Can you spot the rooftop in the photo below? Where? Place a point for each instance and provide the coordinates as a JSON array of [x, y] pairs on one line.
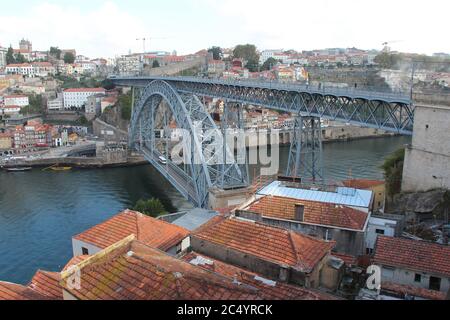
[[406, 290], [269, 290], [194, 218], [343, 196], [130, 270], [273, 244], [85, 90], [362, 183], [150, 231], [317, 213], [413, 254]]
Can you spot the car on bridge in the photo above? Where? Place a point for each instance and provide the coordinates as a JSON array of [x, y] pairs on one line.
[[162, 160]]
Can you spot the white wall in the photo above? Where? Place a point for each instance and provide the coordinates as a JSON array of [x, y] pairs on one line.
[[406, 277], [388, 226], [77, 246]]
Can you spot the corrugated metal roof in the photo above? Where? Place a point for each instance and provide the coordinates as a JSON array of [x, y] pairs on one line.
[[343, 196]]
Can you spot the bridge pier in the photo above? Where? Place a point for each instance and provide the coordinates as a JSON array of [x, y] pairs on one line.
[[305, 155]]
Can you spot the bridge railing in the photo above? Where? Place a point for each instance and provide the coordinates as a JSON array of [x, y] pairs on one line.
[[366, 92]]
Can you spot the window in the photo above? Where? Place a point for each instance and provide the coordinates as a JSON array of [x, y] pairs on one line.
[[379, 231], [387, 272], [369, 251], [85, 251], [328, 236], [417, 278], [435, 283], [299, 212]]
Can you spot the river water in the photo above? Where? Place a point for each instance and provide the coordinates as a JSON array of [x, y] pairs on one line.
[[41, 211]]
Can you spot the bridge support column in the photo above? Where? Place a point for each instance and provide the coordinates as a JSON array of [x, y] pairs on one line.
[[305, 156]]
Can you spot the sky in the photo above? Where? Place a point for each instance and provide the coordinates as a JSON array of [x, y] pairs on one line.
[[106, 28]]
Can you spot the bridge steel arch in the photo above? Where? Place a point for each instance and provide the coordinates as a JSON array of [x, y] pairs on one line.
[[205, 167]]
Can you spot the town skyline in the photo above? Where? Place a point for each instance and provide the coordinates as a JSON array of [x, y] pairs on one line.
[[169, 29]]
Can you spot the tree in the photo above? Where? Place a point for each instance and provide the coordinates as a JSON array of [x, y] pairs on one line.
[[393, 172], [216, 52], [36, 105], [155, 64], [387, 60], [69, 57], [55, 52], [152, 207], [269, 64], [10, 58], [20, 58], [125, 102], [249, 54]]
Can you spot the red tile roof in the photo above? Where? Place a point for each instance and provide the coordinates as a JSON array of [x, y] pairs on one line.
[[413, 255], [268, 290], [269, 243], [150, 231], [403, 290], [347, 258], [74, 261], [47, 284], [12, 291], [362, 183], [318, 213], [85, 90], [129, 270]]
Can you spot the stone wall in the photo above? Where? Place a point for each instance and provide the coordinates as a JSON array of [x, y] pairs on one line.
[[427, 160]]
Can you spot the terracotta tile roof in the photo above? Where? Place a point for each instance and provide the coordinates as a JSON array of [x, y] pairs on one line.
[[47, 284], [150, 231], [74, 261], [320, 213], [402, 290], [130, 270], [12, 291], [85, 90], [347, 258], [362, 183], [269, 243], [413, 254], [268, 290]]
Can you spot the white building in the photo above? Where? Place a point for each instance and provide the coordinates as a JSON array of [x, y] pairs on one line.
[[16, 100], [415, 263], [55, 104], [266, 54], [388, 226], [24, 69], [77, 98], [129, 64], [9, 110]]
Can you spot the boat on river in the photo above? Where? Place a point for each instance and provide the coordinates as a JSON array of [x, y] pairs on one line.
[[17, 169]]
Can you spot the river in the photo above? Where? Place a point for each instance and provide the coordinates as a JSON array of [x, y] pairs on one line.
[[41, 211]]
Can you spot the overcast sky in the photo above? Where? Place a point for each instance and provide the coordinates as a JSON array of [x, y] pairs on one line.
[[108, 28]]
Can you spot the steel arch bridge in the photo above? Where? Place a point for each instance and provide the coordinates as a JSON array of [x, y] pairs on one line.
[[392, 112], [208, 164]]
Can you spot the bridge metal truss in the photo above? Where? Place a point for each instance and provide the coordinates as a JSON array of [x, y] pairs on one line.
[[206, 163], [305, 155], [386, 111]]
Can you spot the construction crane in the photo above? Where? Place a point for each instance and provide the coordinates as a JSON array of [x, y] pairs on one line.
[[145, 39]]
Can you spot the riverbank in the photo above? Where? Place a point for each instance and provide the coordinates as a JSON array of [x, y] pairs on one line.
[[78, 163]]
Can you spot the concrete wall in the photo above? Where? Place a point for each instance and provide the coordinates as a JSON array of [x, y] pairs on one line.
[[404, 276], [175, 68], [429, 154], [112, 133]]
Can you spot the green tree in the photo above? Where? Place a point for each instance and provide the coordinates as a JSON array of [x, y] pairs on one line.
[[125, 103], [216, 52], [69, 57], [393, 172], [20, 58], [55, 52], [388, 60], [269, 64], [152, 207], [155, 64], [248, 53], [36, 105], [10, 58]]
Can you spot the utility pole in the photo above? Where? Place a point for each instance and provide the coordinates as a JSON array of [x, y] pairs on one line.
[[143, 43]]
